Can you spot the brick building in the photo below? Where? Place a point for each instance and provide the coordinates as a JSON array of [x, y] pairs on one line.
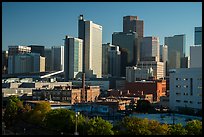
[[157, 88]]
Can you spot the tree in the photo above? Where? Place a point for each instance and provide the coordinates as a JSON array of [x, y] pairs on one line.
[[144, 106], [132, 126], [60, 120], [13, 109], [177, 129], [37, 115], [158, 129], [98, 126], [194, 127]]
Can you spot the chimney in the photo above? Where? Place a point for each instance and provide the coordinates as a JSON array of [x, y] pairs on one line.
[[83, 88]]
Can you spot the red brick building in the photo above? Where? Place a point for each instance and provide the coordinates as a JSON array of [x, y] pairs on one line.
[[157, 88]]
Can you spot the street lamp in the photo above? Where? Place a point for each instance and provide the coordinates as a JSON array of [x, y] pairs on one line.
[[76, 133]]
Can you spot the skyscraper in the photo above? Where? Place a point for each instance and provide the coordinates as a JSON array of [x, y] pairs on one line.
[[57, 58], [48, 59], [198, 36], [133, 24], [111, 60], [72, 57], [4, 62], [195, 56], [164, 57], [150, 48], [176, 50], [91, 34], [127, 41]]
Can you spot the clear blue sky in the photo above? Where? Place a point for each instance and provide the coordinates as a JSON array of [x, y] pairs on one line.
[[47, 23]]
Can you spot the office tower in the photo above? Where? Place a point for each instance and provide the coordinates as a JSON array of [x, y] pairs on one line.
[[198, 36], [150, 48], [57, 58], [38, 49], [123, 61], [4, 58], [105, 61], [133, 24], [164, 56], [111, 60], [127, 41], [176, 50], [195, 56], [91, 34], [73, 49], [26, 63], [48, 59], [13, 50], [185, 89]]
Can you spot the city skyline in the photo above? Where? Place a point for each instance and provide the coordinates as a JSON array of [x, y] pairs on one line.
[[55, 20]]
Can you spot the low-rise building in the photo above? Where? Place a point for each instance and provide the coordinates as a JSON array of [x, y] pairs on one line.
[[185, 88]]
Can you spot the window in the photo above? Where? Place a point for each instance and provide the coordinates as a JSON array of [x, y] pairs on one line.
[[185, 86], [199, 102], [185, 79], [185, 93], [185, 101], [178, 93], [191, 102], [199, 86], [178, 78], [178, 100], [178, 86]]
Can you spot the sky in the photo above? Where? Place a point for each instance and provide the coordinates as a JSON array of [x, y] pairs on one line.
[[47, 23]]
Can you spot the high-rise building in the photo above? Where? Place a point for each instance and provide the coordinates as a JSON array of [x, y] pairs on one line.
[[185, 89], [14, 50], [150, 48], [4, 58], [195, 56], [133, 24], [38, 49], [57, 58], [164, 57], [127, 41], [73, 49], [91, 34], [111, 60], [48, 59], [198, 36], [176, 50]]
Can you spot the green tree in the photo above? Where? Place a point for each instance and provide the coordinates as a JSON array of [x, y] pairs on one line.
[[13, 109], [98, 126], [194, 127], [177, 129], [60, 120], [37, 115], [158, 129], [144, 106], [132, 126]]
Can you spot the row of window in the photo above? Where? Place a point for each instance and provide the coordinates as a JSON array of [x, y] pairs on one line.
[[187, 79], [185, 101]]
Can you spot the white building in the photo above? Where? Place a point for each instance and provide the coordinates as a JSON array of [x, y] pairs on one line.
[[195, 56], [73, 49], [134, 73], [158, 68], [185, 88], [91, 34]]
